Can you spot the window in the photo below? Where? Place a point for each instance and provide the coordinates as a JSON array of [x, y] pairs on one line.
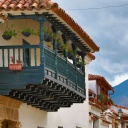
[[78, 127], [60, 127], [96, 123]]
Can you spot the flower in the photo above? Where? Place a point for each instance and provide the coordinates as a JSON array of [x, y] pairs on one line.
[[13, 60]]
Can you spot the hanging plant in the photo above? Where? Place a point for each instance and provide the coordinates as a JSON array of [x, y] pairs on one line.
[[60, 45], [70, 55], [9, 32], [48, 35], [27, 31]]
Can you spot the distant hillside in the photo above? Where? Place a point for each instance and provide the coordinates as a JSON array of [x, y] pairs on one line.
[[120, 97]]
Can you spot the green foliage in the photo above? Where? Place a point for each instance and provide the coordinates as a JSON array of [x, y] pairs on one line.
[[101, 98], [29, 30], [80, 62], [10, 31], [110, 101]]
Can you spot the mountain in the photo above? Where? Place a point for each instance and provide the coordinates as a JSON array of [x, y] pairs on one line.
[[120, 96]]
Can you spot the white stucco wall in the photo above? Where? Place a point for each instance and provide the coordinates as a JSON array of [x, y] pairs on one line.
[[31, 117], [104, 125], [71, 117]]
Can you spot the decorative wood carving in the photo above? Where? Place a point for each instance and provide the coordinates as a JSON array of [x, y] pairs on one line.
[[9, 109]]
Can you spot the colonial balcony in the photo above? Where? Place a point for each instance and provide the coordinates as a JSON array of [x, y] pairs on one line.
[[101, 103], [47, 80]]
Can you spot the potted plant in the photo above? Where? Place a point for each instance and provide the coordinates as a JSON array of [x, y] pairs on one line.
[[48, 35], [101, 98], [9, 32], [15, 66], [27, 31], [70, 55], [110, 101], [79, 64]]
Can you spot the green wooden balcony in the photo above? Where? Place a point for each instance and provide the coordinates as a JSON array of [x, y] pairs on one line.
[[48, 84]]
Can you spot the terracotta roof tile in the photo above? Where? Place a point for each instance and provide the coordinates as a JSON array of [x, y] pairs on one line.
[[102, 80], [123, 107], [22, 5]]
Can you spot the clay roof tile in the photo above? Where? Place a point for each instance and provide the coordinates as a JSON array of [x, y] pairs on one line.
[[23, 5]]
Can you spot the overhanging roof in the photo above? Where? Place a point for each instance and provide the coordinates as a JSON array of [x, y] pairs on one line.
[[101, 80], [55, 13]]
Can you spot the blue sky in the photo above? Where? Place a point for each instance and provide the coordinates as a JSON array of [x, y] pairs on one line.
[[108, 27]]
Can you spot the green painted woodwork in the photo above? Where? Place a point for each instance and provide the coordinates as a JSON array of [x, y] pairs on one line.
[[64, 68], [18, 51], [57, 66], [50, 65], [19, 79], [46, 75]]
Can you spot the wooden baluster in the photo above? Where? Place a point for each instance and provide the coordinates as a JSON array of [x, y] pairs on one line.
[[18, 53], [24, 56], [35, 57], [3, 57], [29, 56], [14, 54], [8, 56]]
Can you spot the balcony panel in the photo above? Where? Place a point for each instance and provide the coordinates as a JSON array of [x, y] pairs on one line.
[[61, 65], [49, 59], [60, 70], [46, 84]]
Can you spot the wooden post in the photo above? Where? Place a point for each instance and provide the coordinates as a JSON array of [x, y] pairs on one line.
[[75, 64], [55, 49], [83, 67], [41, 22], [40, 19]]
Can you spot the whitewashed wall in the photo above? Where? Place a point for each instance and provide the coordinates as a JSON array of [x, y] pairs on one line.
[[31, 117], [104, 125]]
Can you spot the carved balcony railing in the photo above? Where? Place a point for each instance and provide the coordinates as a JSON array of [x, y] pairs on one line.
[[26, 53], [62, 70], [51, 74]]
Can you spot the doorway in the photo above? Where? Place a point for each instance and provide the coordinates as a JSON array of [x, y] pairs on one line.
[[26, 54], [9, 124]]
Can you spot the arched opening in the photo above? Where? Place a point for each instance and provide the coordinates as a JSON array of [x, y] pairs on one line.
[[9, 115]]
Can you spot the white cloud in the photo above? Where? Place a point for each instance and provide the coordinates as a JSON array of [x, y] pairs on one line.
[[112, 68], [108, 29], [119, 79]]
